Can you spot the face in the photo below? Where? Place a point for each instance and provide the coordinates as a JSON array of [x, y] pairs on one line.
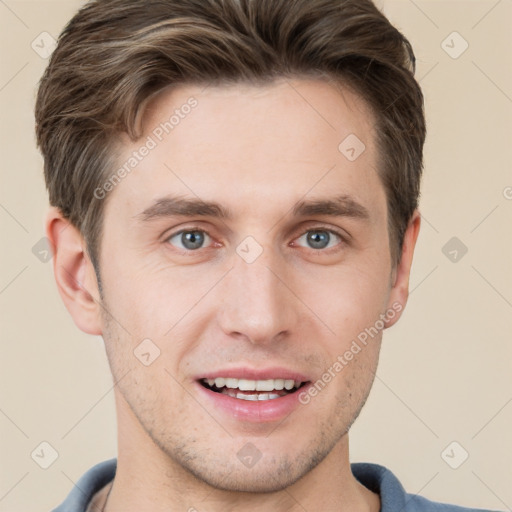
[[246, 244]]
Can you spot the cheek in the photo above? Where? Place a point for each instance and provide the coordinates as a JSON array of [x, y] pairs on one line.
[[165, 305], [149, 299], [347, 300]]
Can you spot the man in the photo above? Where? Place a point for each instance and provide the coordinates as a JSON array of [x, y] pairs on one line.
[[234, 188]]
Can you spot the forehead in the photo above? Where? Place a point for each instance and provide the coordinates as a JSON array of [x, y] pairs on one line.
[[270, 143]]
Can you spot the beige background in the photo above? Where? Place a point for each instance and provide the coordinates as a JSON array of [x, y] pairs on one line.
[[445, 371]]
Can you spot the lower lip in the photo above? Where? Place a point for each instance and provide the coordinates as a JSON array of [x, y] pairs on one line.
[[260, 411]]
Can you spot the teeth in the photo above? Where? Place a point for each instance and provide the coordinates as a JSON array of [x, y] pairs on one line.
[[278, 384], [254, 398], [253, 385], [288, 384], [220, 382]]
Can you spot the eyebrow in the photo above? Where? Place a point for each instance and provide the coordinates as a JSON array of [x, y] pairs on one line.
[[175, 206]]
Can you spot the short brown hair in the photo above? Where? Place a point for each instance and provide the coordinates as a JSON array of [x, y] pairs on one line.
[[114, 55]]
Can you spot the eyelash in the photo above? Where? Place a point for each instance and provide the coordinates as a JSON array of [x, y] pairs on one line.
[[190, 252]]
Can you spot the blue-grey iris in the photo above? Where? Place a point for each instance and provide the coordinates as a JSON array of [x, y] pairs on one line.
[[318, 239]]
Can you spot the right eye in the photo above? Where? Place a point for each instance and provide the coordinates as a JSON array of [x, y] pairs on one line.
[[189, 239]]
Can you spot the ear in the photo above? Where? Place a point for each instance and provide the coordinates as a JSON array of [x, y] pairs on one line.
[[400, 276], [74, 273]]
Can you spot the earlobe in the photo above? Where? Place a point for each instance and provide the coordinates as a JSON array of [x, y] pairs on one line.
[[400, 287], [74, 272]]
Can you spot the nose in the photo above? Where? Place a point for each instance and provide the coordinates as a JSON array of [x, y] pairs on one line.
[[258, 304]]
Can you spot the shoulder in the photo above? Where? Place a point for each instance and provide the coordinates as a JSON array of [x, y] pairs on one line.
[[417, 503], [393, 496], [88, 485]]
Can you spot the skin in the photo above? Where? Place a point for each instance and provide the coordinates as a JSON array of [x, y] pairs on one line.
[[256, 150]]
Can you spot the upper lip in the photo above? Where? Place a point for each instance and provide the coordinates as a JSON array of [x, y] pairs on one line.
[[256, 374]]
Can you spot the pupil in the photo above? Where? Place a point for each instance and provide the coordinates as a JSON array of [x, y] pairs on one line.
[[192, 239], [318, 239]]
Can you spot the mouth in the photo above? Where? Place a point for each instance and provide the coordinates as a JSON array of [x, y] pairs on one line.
[[253, 390], [253, 395]]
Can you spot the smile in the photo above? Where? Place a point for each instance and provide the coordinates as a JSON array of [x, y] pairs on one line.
[[252, 390]]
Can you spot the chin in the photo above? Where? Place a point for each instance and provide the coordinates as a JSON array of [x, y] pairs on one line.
[[250, 480]]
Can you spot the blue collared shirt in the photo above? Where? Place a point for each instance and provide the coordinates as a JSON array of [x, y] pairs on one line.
[[373, 476]]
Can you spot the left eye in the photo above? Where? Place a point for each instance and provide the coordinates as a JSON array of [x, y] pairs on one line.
[[189, 240], [321, 238]]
